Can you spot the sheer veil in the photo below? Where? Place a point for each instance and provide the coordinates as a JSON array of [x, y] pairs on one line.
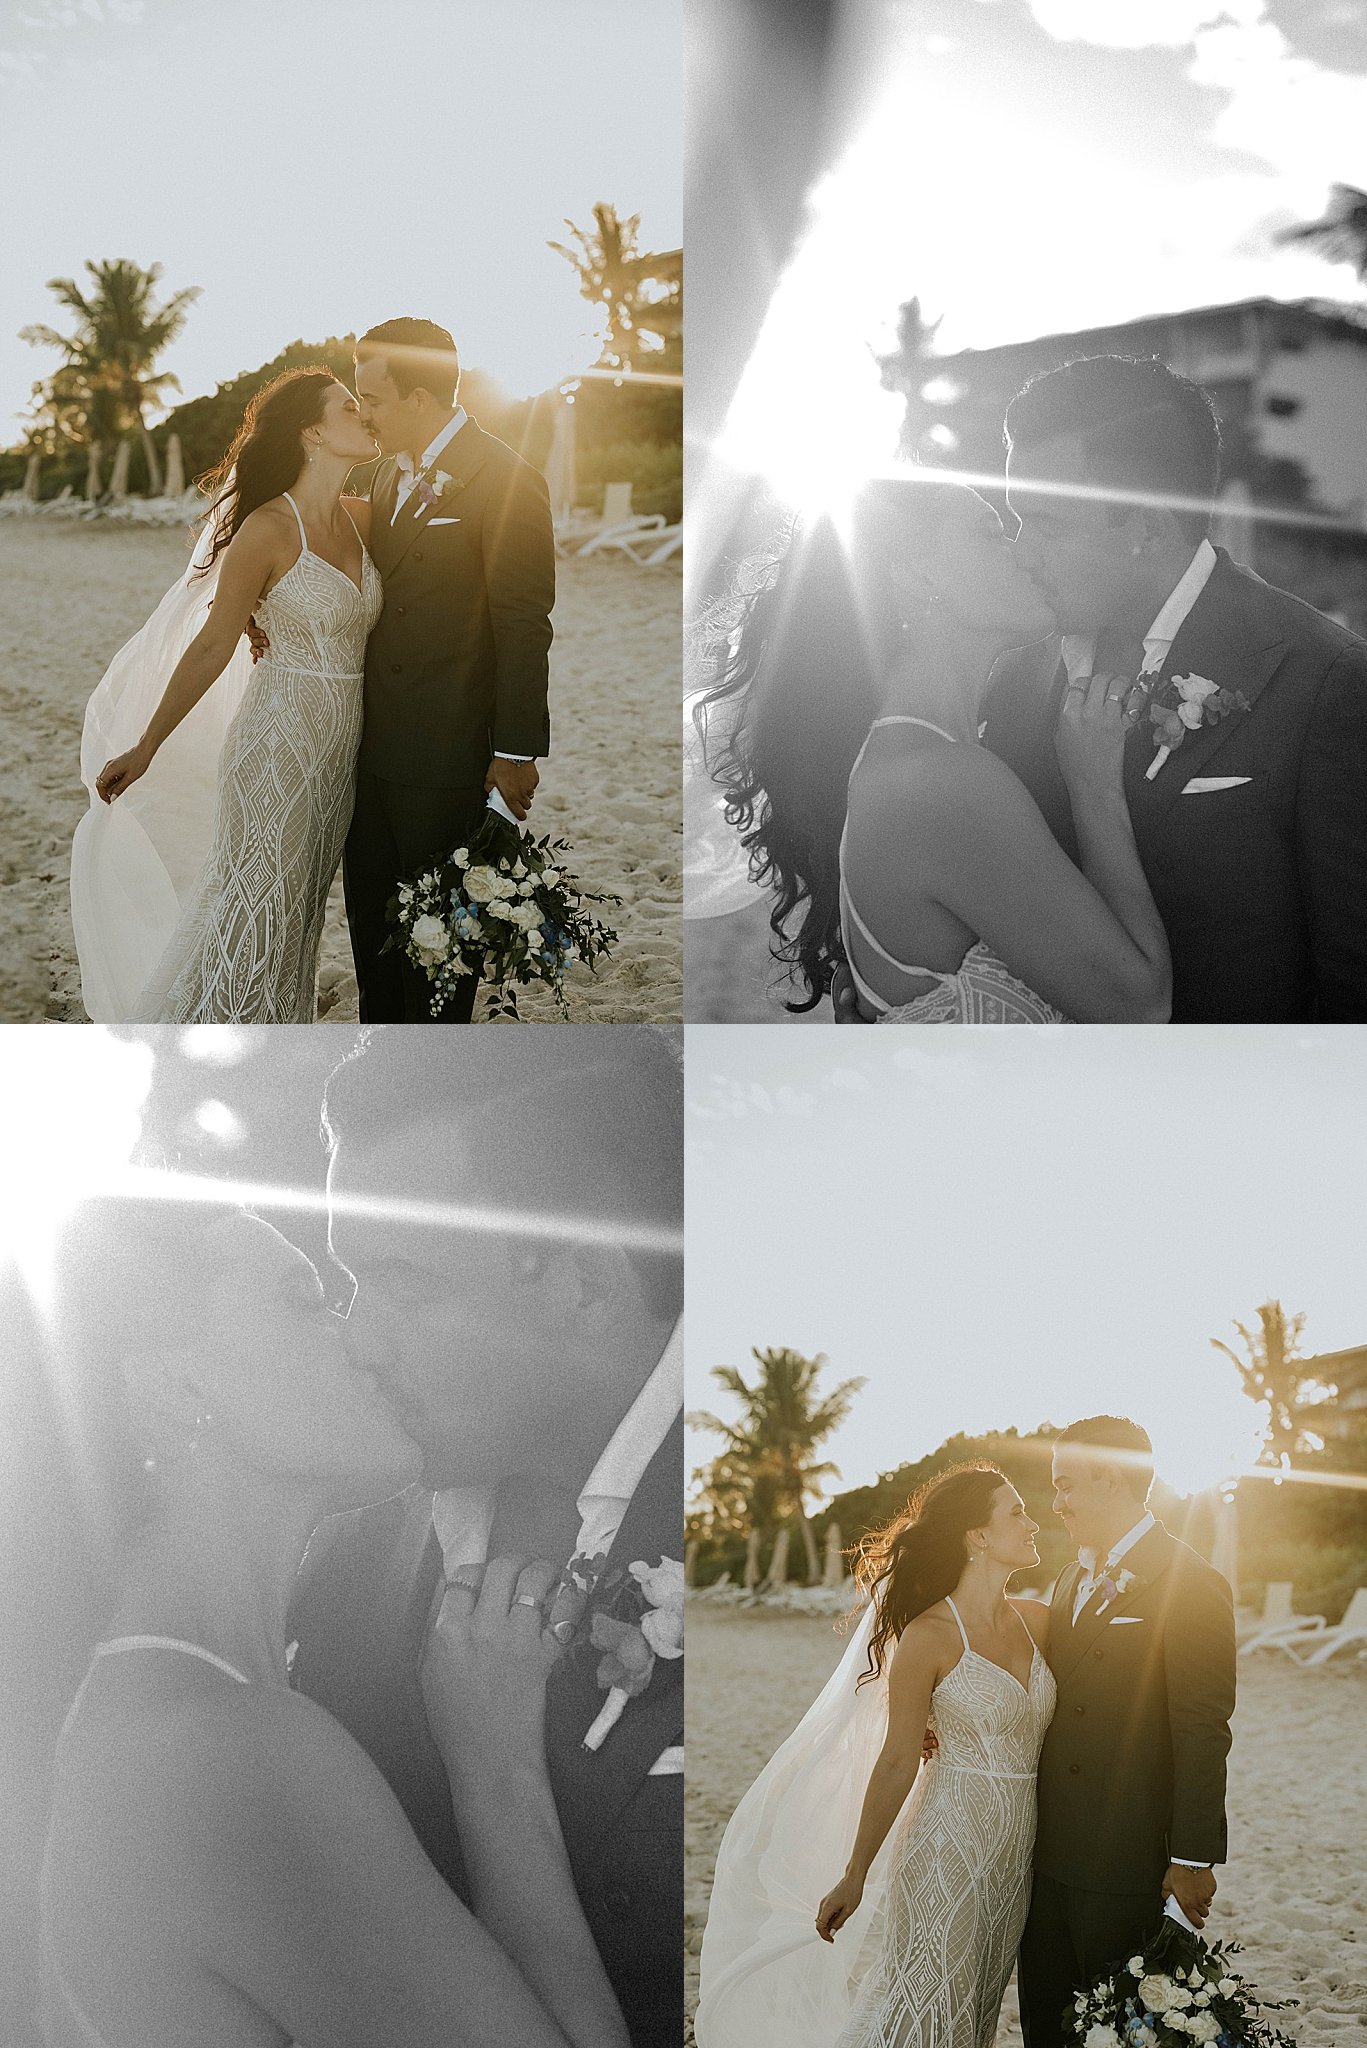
[[768, 1981], [133, 862]]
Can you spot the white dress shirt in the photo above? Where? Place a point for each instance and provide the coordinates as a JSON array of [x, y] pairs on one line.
[[408, 474], [1079, 649]]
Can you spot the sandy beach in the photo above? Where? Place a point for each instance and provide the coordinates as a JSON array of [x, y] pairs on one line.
[[1297, 1803], [70, 595]]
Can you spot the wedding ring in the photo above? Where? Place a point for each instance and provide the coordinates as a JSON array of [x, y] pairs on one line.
[[563, 1631], [526, 1600]]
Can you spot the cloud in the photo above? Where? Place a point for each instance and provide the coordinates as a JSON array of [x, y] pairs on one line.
[[1140, 24], [59, 14], [849, 1078]]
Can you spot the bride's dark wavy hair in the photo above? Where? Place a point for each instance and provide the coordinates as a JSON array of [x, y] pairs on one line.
[[918, 1557], [266, 455], [794, 663]]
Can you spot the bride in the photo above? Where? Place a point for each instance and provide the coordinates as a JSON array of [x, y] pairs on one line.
[[842, 723], [224, 1864], [926, 1916], [220, 798]]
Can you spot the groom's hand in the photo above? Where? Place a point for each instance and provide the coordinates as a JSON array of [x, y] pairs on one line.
[[259, 642], [1194, 1891], [515, 782]]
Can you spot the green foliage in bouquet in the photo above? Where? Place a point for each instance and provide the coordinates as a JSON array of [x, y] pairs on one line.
[[506, 907], [1180, 1990]]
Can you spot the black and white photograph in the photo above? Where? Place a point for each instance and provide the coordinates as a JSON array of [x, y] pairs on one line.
[[1026, 1538], [341, 1644], [341, 495], [1025, 669]]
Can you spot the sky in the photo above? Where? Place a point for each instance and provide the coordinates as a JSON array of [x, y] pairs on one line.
[[1011, 1227], [1030, 167], [317, 166]]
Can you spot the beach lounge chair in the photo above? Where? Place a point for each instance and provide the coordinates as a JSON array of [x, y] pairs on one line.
[[1277, 1618], [1318, 1645], [647, 546], [619, 522]]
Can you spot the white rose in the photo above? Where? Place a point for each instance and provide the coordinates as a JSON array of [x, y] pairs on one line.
[[461, 856], [431, 938], [1156, 1993], [1203, 1998], [1203, 2026], [1226, 1987], [527, 916], [1191, 714], [518, 870], [498, 908], [550, 876], [485, 885], [1098, 2036], [1195, 688], [1135, 1966]]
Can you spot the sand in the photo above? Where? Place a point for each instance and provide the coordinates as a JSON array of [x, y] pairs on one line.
[[1297, 1803], [71, 594]]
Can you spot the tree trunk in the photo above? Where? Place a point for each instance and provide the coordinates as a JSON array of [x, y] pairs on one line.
[[809, 1546], [32, 471], [777, 1574], [94, 459], [834, 1574], [690, 1562], [152, 458], [751, 1560], [118, 482], [175, 468]]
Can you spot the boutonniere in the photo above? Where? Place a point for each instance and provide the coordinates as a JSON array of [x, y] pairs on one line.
[[1183, 704], [431, 490], [633, 1616], [1112, 1584]]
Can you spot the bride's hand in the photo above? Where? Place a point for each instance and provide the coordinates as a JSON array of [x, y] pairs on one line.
[[486, 1663], [121, 773], [837, 1906], [1090, 736]]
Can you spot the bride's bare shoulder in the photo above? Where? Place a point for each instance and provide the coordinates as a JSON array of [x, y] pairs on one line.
[[1035, 1615], [359, 508]]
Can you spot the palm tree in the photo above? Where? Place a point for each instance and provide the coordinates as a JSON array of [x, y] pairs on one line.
[[1273, 1373], [641, 293], [120, 331], [1340, 236], [772, 1448]]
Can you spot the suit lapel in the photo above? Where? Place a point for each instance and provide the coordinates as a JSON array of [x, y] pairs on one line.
[[460, 459], [1229, 636], [592, 1787], [1148, 1560]]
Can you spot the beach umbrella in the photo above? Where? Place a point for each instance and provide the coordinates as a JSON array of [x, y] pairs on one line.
[[35, 463], [174, 487], [561, 476], [118, 482], [834, 1571]]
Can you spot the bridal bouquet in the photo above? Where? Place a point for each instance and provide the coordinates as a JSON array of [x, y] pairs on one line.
[[505, 907], [1180, 1990]]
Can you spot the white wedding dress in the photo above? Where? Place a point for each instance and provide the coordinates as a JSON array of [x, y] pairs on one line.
[[980, 990], [925, 1961], [205, 905]]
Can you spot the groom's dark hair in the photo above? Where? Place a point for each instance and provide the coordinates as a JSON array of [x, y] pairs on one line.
[[417, 354], [1143, 429], [1124, 1448]]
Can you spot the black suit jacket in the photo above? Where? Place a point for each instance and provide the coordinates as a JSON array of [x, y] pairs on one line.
[[360, 1626], [1133, 1767], [1262, 888], [457, 665]]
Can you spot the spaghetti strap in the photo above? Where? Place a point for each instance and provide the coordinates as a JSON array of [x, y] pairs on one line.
[[1026, 1626], [120, 1643], [949, 1603], [905, 718], [303, 537]]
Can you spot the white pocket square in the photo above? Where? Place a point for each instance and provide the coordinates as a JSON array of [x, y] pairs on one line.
[[1201, 784], [443, 522], [1126, 1620]]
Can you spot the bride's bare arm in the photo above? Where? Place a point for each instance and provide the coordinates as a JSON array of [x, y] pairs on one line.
[[1090, 943], [484, 1682], [250, 561], [279, 1862], [914, 1673]]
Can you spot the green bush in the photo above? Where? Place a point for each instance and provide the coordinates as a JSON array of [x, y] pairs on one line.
[[655, 474]]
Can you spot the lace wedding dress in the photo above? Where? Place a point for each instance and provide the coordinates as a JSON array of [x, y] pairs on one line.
[[980, 990], [232, 935], [926, 1959], [959, 1882]]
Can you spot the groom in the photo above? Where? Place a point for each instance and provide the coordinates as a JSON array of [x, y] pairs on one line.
[[540, 1374], [1132, 1773], [456, 667], [1253, 830]]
